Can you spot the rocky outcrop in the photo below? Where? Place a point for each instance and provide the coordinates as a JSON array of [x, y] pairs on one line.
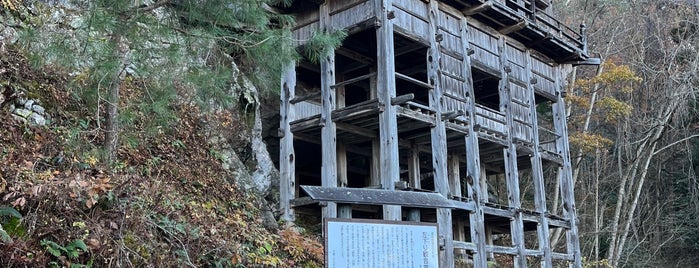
[[29, 111]]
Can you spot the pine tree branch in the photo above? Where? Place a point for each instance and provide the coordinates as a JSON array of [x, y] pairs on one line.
[[154, 6]]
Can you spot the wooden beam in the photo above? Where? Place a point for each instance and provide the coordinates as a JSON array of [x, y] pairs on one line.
[[309, 66], [514, 28], [478, 9], [369, 196], [311, 96], [402, 99], [354, 55], [356, 130], [353, 80], [414, 81], [408, 48]]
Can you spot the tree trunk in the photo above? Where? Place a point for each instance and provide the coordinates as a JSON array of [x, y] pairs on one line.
[[111, 130]]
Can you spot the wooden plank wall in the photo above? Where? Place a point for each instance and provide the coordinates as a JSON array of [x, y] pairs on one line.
[[451, 63], [491, 120], [412, 19], [347, 13], [485, 48], [306, 109], [544, 74]]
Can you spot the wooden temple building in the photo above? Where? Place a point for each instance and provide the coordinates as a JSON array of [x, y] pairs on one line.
[[448, 111]]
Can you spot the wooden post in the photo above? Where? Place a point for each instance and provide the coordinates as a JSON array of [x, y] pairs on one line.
[[414, 177], [510, 152], [567, 193], [439, 141], [454, 175], [343, 210], [538, 171], [375, 142], [287, 159], [329, 145], [386, 90], [473, 160]]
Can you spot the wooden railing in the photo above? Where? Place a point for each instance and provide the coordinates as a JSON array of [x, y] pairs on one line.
[[305, 109], [491, 120], [546, 20], [547, 140]]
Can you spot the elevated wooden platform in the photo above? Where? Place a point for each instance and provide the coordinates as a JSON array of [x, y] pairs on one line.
[[448, 111]]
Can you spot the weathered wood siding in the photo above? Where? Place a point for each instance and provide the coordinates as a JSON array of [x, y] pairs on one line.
[[306, 109], [411, 18], [485, 48], [491, 120], [543, 73], [521, 115], [451, 63], [303, 33], [516, 59], [450, 32], [344, 14]]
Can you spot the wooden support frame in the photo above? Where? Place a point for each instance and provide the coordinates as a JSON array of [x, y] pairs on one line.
[[329, 144], [510, 154], [438, 138], [473, 161], [355, 130], [566, 178], [386, 90], [287, 161], [538, 172]]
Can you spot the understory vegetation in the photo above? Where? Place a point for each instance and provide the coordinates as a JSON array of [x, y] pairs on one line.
[[166, 202]]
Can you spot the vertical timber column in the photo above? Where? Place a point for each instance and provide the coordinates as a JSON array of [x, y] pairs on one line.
[[567, 193], [374, 173], [473, 160], [328, 140], [386, 90], [454, 161], [287, 161], [414, 178], [537, 171], [439, 141], [344, 210], [510, 152]]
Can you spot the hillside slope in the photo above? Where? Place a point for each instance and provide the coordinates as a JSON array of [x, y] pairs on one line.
[[167, 202]]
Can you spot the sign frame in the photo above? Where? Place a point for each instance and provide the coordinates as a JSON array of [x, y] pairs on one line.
[[435, 239]]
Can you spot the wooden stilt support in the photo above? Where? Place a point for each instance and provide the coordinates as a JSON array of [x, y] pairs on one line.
[[287, 161], [414, 177], [473, 162], [343, 210], [439, 141], [510, 154], [566, 183], [329, 144], [542, 229], [386, 90]]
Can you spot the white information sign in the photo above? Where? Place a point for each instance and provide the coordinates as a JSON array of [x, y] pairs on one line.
[[355, 243]]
